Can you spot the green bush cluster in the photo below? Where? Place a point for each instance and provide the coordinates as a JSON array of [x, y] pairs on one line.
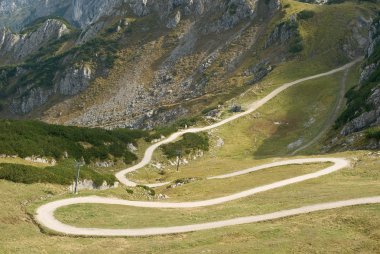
[[373, 133], [295, 45], [27, 138], [167, 130], [305, 14], [189, 143], [63, 174]]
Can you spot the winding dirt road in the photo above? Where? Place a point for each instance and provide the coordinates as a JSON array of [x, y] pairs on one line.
[[45, 213], [253, 107]]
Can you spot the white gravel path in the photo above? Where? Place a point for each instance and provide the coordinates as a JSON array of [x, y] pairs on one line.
[[45, 213], [253, 107]]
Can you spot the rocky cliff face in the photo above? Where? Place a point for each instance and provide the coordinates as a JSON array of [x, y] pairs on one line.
[[368, 118], [71, 82], [15, 14], [15, 47], [85, 13], [369, 113], [363, 102]]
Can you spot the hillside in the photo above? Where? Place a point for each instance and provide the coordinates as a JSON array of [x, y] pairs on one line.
[[142, 65], [358, 126]]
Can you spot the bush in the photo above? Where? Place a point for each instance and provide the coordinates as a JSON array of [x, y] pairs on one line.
[[296, 45], [167, 130], [305, 14], [189, 143], [373, 133]]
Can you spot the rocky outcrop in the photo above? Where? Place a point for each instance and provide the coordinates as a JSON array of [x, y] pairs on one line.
[[15, 14], [31, 99], [173, 22], [366, 119], [356, 44], [283, 32], [258, 71], [371, 115], [18, 13], [86, 13], [16, 47], [374, 44], [90, 185], [73, 81]]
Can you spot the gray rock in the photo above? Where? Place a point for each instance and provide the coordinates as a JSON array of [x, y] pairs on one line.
[[33, 98], [366, 119], [16, 47], [371, 117], [283, 32], [173, 22], [235, 108], [259, 71], [74, 81]]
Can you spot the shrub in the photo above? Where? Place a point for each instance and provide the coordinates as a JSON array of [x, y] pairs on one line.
[[189, 142], [305, 14], [373, 133], [167, 130], [296, 45]]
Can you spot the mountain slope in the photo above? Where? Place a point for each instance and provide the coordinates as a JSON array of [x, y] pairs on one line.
[[146, 63]]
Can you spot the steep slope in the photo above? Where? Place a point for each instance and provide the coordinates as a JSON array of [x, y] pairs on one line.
[[15, 14], [188, 37], [358, 125], [146, 63], [14, 47]]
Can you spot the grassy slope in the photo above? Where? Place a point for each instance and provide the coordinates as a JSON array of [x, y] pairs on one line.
[[346, 184], [259, 136], [21, 161], [342, 230]]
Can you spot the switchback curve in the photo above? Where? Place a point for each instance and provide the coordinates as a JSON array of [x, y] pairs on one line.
[[45, 213]]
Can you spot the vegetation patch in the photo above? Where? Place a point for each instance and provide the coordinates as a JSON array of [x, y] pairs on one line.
[[189, 143], [63, 174], [165, 131], [150, 191], [373, 133], [305, 14], [28, 138], [358, 96]]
